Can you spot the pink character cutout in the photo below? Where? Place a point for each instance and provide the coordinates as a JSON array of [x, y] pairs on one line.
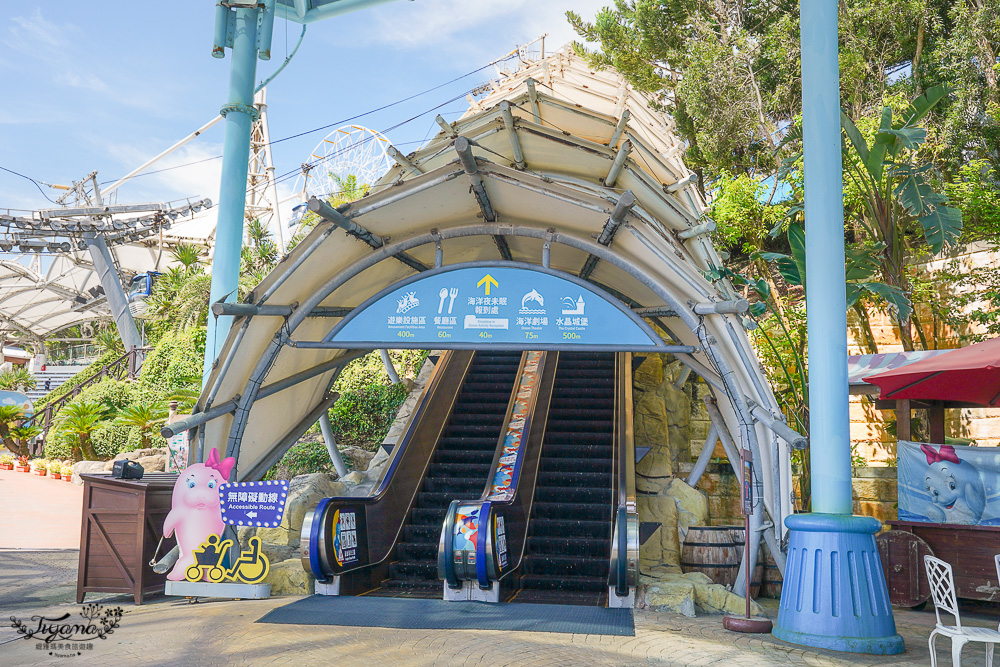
[[195, 512]]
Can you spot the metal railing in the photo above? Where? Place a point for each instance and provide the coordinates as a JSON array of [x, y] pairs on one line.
[[125, 367]]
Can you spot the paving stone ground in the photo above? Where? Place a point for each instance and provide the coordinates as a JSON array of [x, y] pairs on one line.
[[167, 631]]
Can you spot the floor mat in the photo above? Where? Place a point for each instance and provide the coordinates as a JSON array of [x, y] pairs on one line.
[[437, 614]]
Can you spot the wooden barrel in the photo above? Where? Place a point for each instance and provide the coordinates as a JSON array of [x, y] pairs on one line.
[[758, 572], [712, 550], [771, 586]]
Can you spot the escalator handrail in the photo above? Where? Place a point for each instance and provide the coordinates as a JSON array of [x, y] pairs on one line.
[[399, 449], [624, 480], [317, 524], [484, 538], [447, 547]]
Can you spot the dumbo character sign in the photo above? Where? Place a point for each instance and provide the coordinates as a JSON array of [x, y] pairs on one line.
[[195, 511], [949, 484]]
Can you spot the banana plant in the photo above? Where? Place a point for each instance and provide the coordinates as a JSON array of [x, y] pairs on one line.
[[891, 196], [861, 267], [894, 191]]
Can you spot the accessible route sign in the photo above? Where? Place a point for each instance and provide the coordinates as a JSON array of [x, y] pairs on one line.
[[526, 307]]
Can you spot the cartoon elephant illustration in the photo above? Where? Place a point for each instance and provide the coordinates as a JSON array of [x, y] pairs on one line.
[[955, 487]]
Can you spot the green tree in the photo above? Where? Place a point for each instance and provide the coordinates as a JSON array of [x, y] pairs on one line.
[[145, 416], [17, 379], [79, 419], [10, 418]]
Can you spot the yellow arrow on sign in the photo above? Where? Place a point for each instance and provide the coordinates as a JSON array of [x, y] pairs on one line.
[[487, 279]]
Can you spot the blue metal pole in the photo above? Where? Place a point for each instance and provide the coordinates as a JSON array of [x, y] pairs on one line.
[[239, 113], [835, 595], [826, 299]]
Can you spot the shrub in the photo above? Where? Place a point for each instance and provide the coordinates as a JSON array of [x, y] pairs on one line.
[[303, 458], [363, 417]]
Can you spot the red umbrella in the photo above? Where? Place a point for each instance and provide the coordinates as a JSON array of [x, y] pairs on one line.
[[966, 375]]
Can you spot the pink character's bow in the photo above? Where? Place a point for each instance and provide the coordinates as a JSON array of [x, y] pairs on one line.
[[224, 466], [946, 453]]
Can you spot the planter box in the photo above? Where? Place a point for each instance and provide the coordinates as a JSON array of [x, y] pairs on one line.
[[5, 466], [56, 475], [23, 469], [41, 473], [67, 478]]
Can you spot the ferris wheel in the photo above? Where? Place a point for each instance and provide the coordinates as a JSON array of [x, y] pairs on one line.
[[349, 151]]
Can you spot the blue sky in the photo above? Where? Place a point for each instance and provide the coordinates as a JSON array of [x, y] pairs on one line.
[[107, 85]]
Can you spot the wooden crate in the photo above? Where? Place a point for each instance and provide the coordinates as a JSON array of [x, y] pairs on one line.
[[968, 549], [122, 523]]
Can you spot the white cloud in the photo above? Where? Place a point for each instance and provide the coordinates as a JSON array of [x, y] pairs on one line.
[[82, 80], [31, 32], [478, 29]]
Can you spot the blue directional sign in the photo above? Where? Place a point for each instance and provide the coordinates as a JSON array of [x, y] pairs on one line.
[[253, 503], [525, 306]]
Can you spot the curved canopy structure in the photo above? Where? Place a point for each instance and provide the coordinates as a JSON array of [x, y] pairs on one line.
[[560, 167]]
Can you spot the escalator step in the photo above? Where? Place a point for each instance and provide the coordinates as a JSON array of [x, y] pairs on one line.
[[465, 457], [556, 510], [577, 412], [588, 480], [562, 566], [567, 464], [555, 451], [417, 550], [580, 426], [458, 487], [423, 534], [591, 528], [559, 494], [458, 470], [462, 443], [580, 546], [427, 516], [581, 438], [566, 583], [429, 499], [413, 570]]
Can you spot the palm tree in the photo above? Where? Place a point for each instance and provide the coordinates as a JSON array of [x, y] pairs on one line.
[[188, 256], [108, 340], [17, 379], [80, 419], [145, 416], [22, 434], [10, 418]]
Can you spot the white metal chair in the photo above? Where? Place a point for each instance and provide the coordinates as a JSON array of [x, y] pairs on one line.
[[942, 584]]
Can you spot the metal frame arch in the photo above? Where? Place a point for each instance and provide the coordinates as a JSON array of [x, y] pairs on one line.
[[694, 322]]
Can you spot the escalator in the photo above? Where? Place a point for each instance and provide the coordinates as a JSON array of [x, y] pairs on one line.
[[460, 467], [386, 544], [562, 527], [568, 551]]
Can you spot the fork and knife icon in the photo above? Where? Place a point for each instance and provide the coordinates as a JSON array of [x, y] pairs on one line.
[[444, 294]]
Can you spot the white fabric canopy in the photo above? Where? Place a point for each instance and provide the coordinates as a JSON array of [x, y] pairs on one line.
[[559, 195]]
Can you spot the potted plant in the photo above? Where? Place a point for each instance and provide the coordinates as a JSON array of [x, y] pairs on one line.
[[22, 464], [7, 461], [55, 469], [67, 472], [39, 466]]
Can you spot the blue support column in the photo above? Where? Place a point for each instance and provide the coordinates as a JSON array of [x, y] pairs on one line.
[[239, 113], [834, 595]]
